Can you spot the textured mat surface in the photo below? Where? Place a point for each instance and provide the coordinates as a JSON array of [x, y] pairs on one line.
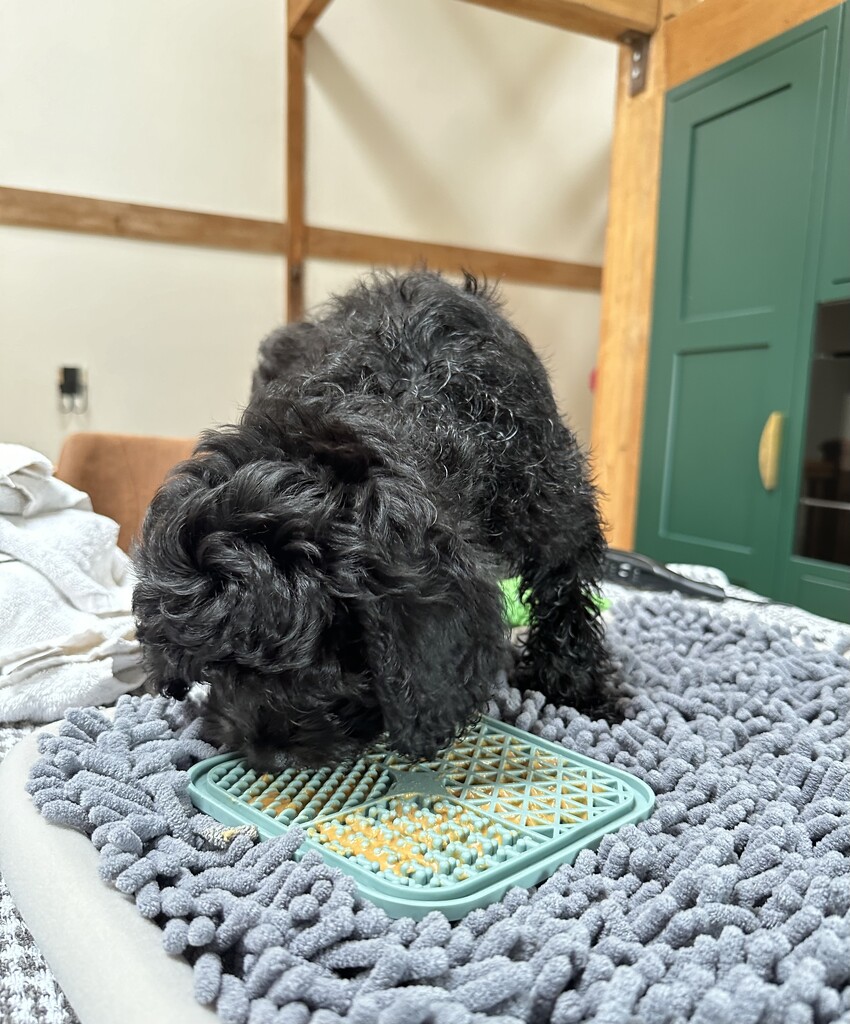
[[730, 903]]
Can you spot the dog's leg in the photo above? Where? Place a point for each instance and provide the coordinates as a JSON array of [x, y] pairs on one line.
[[564, 655], [554, 539]]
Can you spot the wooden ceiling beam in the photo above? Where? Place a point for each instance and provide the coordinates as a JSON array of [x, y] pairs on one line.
[[52, 210], [604, 19], [352, 247], [303, 15], [714, 31]]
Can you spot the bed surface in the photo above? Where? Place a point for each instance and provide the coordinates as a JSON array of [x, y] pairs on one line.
[[738, 726]]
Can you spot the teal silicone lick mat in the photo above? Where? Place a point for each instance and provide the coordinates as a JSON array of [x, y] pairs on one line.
[[497, 808]]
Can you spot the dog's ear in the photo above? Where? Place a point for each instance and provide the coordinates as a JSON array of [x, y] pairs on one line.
[[224, 571], [311, 430], [434, 653]]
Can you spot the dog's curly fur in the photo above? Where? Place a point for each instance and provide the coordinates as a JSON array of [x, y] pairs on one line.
[[330, 565]]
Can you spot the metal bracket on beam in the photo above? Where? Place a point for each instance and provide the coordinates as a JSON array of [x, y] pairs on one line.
[[639, 45]]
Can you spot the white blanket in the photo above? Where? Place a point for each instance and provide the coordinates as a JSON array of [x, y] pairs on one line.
[[67, 636]]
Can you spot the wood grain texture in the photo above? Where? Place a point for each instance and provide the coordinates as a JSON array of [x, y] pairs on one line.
[[302, 15], [60, 212], [379, 250], [673, 8], [295, 173], [715, 31], [605, 19], [627, 292]]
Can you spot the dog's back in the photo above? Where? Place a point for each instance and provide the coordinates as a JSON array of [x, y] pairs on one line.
[[441, 353], [289, 351]]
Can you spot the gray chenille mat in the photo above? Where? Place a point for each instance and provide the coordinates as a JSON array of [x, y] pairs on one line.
[[730, 903]]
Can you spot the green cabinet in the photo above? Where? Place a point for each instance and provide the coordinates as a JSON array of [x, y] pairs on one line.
[[817, 526], [834, 277], [754, 229]]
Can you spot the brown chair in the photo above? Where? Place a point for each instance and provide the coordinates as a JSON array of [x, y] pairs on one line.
[[120, 472]]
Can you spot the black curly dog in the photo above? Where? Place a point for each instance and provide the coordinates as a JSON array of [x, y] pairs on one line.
[[330, 566]]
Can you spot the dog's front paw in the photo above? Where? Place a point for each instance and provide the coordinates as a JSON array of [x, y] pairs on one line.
[[590, 690]]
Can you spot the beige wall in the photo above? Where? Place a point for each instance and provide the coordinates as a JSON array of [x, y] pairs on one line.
[[427, 118]]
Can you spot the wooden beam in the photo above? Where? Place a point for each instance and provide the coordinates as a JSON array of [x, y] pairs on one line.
[[605, 19], [627, 294], [295, 173], [328, 244], [674, 8], [303, 15], [26, 208], [59, 212], [715, 31]]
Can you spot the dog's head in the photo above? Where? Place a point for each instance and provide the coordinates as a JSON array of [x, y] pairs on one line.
[[303, 572]]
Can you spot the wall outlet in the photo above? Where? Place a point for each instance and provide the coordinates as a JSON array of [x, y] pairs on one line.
[[71, 380]]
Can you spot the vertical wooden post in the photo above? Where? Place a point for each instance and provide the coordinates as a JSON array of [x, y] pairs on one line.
[[627, 283], [295, 163]]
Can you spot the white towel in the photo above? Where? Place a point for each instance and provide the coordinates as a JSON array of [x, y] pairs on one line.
[[67, 636], [28, 487]]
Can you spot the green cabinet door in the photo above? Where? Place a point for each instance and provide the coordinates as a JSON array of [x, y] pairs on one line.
[[834, 276], [743, 171], [815, 529]]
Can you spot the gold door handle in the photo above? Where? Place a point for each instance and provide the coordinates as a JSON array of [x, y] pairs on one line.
[[770, 446]]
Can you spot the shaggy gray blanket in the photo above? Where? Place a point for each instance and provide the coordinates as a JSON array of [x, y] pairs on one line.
[[730, 903]]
